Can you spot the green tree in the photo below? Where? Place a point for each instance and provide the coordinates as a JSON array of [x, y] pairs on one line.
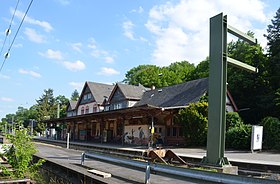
[[46, 107], [273, 38], [147, 75], [250, 90], [75, 95], [22, 116], [151, 75], [179, 72], [62, 101], [20, 156], [194, 119], [201, 70]]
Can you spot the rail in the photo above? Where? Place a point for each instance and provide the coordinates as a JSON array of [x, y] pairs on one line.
[[177, 171]]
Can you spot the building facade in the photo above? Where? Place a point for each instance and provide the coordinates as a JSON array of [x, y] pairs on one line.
[[133, 114]]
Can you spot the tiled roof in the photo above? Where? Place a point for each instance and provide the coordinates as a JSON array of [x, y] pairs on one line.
[[176, 95], [72, 104], [100, 90], [131, 91]]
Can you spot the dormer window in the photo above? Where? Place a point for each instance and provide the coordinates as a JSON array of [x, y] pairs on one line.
[[87, 96], [87, 109]]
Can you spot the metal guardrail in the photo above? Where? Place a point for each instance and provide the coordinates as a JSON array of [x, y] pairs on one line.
[[178, 171], [16, 181]]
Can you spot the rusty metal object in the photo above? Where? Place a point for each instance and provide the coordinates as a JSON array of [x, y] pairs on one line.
[[165, 156]]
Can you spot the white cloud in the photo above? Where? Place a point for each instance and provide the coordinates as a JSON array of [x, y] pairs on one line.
[[100, 53], [45, 25], [182, 29], [74, 66], [52, 54], [5, 99], [4, 76], [139, 10], [34, 36], [92, 43], [77, 46], [63, 2], [128, 32], [18, 45], [29, 72], [109, 59], [108, 71], [77, 85]]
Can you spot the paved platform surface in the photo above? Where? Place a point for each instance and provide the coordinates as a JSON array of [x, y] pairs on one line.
[[120, 174], [263, 157]]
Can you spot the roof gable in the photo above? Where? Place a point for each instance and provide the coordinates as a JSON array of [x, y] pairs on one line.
[[71, 105], [129, 92], [99, 91]]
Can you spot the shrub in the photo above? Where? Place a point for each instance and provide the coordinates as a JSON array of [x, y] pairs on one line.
[[271, 133], [195, 123], [239, 137], [232, 119], [20, 156]]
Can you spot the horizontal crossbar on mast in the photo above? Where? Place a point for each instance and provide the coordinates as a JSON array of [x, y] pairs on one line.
[[241, 35], [241, 65]]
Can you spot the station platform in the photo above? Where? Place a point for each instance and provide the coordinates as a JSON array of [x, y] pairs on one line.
[[71, 158], [257, 157]]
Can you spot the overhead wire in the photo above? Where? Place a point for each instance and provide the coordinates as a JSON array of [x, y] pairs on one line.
[[8, 52], [8, 31]]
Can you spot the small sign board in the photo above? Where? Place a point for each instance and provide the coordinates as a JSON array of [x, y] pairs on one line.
[[256, 138]]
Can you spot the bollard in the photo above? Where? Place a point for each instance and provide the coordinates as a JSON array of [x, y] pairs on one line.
[[83, 158], [68, 138], [148, 173]]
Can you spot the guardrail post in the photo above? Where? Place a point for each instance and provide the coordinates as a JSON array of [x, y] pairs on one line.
[[83, 158], [148, 173]]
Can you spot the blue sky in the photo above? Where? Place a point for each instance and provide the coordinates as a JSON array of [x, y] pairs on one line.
[[63, 43]]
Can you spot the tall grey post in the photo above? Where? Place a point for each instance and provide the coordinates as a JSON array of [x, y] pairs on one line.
[[218, 87]]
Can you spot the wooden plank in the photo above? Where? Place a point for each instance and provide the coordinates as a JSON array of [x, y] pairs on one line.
[[100, 173]]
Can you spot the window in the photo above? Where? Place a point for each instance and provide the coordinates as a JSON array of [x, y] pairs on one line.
[[117, 106], [94, 109], [159, 130], [107, 108], [168, 131], [174, 131], [87, 96], [87, 109], [83, 110]]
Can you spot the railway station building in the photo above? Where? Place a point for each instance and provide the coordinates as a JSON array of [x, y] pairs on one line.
[[128, 114]]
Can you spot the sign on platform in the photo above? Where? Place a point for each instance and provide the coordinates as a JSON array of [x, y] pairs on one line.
[[256, 139]]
